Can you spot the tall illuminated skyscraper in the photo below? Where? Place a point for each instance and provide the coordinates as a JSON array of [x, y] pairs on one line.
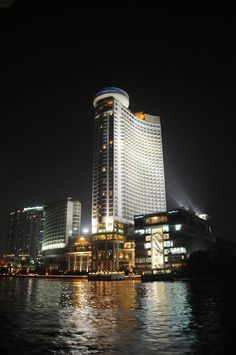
[[128, 173]]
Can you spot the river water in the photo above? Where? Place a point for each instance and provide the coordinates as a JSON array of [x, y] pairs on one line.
[[41, 316]]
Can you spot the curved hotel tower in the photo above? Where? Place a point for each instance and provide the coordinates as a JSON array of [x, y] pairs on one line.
[[128, 173]]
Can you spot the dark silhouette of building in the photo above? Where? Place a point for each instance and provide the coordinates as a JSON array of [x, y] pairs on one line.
[[25, 233]]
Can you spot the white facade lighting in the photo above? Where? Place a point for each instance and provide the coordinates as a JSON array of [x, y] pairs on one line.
[[128, 179]]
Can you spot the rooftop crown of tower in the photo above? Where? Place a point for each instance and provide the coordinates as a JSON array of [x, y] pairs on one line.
[[117, 93]]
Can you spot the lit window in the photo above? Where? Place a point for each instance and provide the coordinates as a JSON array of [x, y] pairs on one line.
[[165, 229], [141, 231], [156, 219], [178, 227], [147, 245], [168, 243], [180, 250]]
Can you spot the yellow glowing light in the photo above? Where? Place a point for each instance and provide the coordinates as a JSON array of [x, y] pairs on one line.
[[140, 115]]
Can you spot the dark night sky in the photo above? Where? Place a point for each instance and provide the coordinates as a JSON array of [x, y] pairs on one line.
[[180, 65]]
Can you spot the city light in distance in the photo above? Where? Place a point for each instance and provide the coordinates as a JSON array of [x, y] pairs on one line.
[[85, 230]]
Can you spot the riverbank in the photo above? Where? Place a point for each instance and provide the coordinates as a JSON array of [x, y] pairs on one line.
[[85, 277], [48, 276], [140, 278]]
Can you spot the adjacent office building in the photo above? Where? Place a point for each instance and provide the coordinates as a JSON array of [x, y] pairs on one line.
[[25, 233], [164, 241], [128, 175], [62, 222]]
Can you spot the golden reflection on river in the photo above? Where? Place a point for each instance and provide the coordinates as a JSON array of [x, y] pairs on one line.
[[117, 316], [42, 316]]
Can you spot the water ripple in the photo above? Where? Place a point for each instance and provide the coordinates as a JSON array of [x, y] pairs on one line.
[[80, 317]]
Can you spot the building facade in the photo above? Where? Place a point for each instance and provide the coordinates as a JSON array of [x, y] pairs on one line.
[[164, 241], [25, 233], [79, 256], [62, 221], [128, 174]]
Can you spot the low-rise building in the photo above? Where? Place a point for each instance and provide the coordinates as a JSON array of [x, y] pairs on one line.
[[110, 255], [79, 255], [164, 241]]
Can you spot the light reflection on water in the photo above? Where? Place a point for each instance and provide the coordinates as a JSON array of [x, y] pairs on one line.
[[80, 317]]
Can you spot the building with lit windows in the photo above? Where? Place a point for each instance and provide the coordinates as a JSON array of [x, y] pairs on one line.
[[25, 233], [79, 256], [62, 221], [164, 241], [128, 175]]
